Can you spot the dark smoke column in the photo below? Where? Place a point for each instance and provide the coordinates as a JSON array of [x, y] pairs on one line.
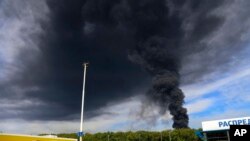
[[167, 94], [153, 28], [158, 50], [161, 60]]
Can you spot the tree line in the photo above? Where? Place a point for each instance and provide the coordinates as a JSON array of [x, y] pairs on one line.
[[167, 135]]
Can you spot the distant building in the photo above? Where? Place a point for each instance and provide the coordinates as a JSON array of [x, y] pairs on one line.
[[51, 136], [218, 130]]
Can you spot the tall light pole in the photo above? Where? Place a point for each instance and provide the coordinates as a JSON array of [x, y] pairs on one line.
[[83, 94]]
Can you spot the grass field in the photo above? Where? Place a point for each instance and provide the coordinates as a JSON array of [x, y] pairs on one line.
[[14, 137]]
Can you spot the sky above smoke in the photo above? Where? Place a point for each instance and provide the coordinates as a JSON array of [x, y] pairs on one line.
[[43, 44]]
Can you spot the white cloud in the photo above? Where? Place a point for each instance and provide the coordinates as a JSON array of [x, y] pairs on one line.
[[120, 116], [199, 105], [37, 127], [116, 113], [195, 91], [16, 103]]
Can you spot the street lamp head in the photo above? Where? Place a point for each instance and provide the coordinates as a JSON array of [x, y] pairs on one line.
[[85, 64]]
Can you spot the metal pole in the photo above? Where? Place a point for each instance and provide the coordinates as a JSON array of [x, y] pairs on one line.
[[228, 136], [83, 94], [205, 136]]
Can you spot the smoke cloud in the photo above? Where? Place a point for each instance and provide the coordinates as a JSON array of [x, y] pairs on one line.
[[163, 35], [176, 42], [157, 34]]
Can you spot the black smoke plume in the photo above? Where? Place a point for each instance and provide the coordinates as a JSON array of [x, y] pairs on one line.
[[162, 35], [157, 35]]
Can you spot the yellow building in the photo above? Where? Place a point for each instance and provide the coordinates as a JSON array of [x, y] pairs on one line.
[[16, 137]]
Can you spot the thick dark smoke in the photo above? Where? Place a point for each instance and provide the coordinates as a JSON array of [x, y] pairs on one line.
[[157, 35], [158, 51], [163, 34]]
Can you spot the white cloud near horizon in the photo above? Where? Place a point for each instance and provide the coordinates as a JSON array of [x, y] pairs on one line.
[[113, 114], [195, 91], [120, 116]]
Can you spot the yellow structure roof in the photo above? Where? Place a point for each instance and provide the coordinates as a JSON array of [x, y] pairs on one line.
[[16, 137]]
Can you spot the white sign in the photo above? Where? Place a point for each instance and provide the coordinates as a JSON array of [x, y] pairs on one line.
[[224, 124]]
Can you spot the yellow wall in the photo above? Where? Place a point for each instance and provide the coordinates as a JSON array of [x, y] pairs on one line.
[[30, 138]]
